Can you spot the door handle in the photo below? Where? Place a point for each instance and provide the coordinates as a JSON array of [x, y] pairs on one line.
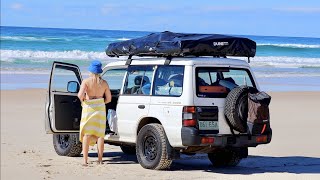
[[141, 106]]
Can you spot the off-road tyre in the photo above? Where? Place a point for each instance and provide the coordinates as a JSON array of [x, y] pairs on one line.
[[152, 147], [224, 158], [67, 145], [130, 150], [236, 108]]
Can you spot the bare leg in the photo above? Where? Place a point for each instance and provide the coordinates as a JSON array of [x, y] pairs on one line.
[[100, 149], [85, 148]]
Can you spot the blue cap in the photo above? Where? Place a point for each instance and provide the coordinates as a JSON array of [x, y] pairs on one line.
[[95, 67]]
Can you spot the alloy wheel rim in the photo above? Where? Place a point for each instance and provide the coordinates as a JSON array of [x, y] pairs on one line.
[[64, 141], [150, 148]]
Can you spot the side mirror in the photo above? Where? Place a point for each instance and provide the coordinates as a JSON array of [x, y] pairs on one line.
[[73, 86]]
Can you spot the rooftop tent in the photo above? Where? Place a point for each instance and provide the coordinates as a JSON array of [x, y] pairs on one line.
[[182, 44]]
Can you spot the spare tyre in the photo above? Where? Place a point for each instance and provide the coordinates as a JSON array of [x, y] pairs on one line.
[[236, 107]]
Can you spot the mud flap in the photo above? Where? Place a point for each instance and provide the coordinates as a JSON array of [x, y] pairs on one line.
[[172, 153]]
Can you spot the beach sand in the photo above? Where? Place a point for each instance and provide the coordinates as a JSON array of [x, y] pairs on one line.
[[27, 151]]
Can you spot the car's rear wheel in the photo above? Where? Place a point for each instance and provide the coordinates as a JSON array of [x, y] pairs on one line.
[[67, 145], [227, 157], [152, 147]]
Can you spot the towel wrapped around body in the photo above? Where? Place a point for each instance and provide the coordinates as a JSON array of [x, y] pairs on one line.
[[93, 119]]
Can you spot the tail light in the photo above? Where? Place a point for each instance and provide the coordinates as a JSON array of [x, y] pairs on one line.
[[207, 140], [189, 116], [261, 139]]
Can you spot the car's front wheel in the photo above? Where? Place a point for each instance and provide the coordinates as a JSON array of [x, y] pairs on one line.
[[152, 147], [67, 145]]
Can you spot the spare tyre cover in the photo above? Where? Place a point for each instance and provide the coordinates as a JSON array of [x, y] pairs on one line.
[[236, 107]]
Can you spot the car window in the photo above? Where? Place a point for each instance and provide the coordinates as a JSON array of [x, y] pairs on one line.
[[240, 77], [114, 77], [168, 81], [138, 80], [61, 76], [218, 82]]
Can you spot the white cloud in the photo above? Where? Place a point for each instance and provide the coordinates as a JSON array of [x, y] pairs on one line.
[[16, 6], [299, 9], [108, 9], [225, 8], [117, 9]]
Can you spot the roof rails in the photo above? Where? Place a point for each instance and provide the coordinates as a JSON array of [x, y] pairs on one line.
[[169, 58], [166, 62], [129, 60]]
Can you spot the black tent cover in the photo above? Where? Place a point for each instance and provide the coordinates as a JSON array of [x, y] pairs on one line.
[[181, 44]]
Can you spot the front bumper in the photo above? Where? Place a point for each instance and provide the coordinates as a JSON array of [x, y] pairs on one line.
[[190, 137]]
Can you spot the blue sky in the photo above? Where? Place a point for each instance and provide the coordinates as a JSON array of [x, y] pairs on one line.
[[245, 17]]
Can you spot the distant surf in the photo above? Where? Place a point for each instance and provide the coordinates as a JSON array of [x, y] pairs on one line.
[[25, 56], [32, 51], [292, 45]]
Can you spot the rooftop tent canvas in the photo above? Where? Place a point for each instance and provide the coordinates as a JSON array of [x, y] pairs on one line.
[[182, 44]]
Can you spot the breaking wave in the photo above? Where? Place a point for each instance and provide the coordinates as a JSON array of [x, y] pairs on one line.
[[304, 46], [43, 56], [12, 55]]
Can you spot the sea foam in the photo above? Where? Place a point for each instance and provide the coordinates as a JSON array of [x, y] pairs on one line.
[[44, 56], [31, 38], [291, 45], [283, 62], [36, 56]]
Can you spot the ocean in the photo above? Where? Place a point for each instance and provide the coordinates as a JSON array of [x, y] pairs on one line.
[[280, 64]]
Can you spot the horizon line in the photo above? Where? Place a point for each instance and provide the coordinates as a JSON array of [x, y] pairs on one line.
[[151, 31]]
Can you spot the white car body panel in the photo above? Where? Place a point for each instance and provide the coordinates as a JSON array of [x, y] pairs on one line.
[[168, 110]]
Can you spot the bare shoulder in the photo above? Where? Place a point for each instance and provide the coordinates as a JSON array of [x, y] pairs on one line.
[[105, 83], [84, 81]]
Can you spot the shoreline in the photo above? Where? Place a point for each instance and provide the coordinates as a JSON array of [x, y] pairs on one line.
[[268, 84]]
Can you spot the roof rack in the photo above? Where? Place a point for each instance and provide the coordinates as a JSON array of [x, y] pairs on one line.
[[169, 44], [129, 60], [169, 59]]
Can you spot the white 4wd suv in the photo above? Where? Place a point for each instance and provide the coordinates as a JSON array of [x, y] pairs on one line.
[[164, 107], [174, 103]]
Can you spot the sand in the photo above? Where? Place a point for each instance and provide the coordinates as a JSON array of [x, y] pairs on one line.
[[27, 151]]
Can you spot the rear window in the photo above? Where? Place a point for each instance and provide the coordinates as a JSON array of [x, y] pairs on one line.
[[168, 81], [218, 82]]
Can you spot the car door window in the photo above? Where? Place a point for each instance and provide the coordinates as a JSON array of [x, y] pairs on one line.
[[138, 80], [61, 76], [168, 81], [114, 77]]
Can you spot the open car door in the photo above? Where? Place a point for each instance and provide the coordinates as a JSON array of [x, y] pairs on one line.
[[63, 108]]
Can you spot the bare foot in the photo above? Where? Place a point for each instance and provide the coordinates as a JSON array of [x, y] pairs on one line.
[[99, 162], [85, 164]]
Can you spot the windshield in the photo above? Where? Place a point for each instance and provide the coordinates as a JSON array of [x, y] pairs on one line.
[[218, 82]]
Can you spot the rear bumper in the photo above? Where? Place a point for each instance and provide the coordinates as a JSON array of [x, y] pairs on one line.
[[191, 137]]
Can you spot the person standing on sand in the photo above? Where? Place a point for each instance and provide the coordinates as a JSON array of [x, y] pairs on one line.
[[94, 93]]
